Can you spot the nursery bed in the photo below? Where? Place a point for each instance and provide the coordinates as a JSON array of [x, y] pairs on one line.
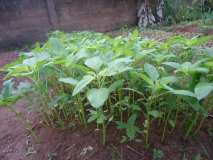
[[16, 143]]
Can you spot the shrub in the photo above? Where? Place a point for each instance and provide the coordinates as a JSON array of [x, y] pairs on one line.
[[180, 10]]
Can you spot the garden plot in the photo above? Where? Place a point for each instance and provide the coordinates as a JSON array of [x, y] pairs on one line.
[[88, 88]]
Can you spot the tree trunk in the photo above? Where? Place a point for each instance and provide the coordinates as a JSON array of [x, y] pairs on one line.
[[150, 12]]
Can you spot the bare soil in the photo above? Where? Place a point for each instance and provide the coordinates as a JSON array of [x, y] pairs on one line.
[[193, 29], [17, 143]]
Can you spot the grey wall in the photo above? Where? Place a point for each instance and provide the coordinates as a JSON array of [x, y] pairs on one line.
[[26, 21]]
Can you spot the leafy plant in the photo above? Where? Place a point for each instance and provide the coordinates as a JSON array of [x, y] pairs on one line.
[[157, 154], [81, 78], [179, 10], [131, 129], [9, 94]]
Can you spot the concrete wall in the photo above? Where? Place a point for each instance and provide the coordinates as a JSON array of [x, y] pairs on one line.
[[26, 21]]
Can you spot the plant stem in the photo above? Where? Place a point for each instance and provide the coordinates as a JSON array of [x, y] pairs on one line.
[[191, 125], [165, 126], [200, 125], [82, 112], [104, 134]]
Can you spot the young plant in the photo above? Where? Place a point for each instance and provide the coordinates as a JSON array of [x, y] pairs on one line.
[[83, 77], [157, 88], [131, 129]]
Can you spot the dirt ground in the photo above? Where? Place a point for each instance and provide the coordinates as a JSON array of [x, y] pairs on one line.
[[16, 142]]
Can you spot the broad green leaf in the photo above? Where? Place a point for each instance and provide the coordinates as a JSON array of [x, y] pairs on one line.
[[92, 118], [201, 70], [173, 64], [68, 80], [209, 64], [135, 107], [167, 80], [97, 116], [114, 71], [59, 60], [142, 54], [95, 63], [80, 67], [70, 60], [172, 123], [186, 65], [121, 125], [183, 93], [100, 119], [131, 128], [161, 57], [7, 90], [188, 68], [57, 47], [147, 79], [132, 119], [202, 89], [82, 53], [116, 85], [19, 68], [117, 66], [82, 84], [30, 62], [151, 71], [10, 94], [180, 92], [132, 131], [209, 51], [97, 97], [155, 114], [110, 119]]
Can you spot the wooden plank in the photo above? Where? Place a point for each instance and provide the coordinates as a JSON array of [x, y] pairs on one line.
[[52, 14]]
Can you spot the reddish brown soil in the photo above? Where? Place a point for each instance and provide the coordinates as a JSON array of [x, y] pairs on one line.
[[192, 29], [16, 143]]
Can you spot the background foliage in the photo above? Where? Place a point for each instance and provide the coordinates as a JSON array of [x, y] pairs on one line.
[[181, 10]]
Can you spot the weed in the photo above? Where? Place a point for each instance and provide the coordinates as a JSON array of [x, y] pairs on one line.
[[157, 154]]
